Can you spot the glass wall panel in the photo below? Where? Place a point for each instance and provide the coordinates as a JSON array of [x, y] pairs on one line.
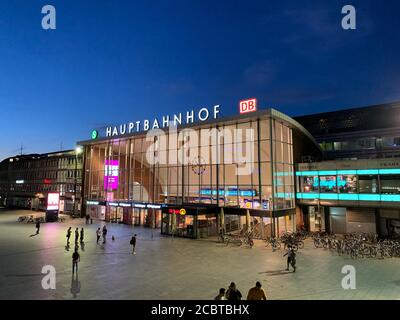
[[309, 183], [265, 150], [230, 174], [245, 178], [368, 184], [390, 184], [266, 197], [264, 129], [278, 131], [266, 178]]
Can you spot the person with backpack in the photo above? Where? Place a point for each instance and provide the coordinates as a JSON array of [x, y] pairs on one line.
[[291, 259], [233, 294], [68, 234], [133, 243], [75, 259]]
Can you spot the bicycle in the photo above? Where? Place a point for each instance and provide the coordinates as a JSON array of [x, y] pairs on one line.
[[236, 240], [274, 243], [22, 219], [248, 241]]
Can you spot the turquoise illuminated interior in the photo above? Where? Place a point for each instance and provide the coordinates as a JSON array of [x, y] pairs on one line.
[[347, 196]]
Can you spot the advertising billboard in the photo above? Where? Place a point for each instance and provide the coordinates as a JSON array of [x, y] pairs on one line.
[[111, 168], [53, 200]]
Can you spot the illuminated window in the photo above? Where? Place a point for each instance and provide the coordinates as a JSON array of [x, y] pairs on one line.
[[368, 184], [347, 184], [309, 184], [390, 184], [327, 184]]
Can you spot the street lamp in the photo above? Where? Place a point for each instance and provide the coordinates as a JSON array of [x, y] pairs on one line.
[[78, 151]]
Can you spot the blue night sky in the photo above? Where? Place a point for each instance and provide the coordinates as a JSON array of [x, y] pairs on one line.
[[116, 61]]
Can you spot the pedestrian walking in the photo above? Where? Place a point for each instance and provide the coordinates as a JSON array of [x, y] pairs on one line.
[[221, 295], [104, 234], [75, 259], [133, 243], [87, 219], [37, 226], [98, 234], [233, 294], [76, 235], [291, 259], [68, 234], [256, 293], [82, 235]]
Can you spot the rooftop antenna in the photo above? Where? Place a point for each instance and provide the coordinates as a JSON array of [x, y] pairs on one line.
[[21, 148]]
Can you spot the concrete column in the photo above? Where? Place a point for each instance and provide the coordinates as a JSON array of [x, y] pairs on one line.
[[248, 220], [262, 228], [173, 223], [277, 227], [222, 220]]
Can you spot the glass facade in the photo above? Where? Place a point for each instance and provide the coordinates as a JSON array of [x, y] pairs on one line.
[[247, 164]]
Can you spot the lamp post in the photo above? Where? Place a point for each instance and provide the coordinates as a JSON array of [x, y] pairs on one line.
[[78, 151], [319, 215]]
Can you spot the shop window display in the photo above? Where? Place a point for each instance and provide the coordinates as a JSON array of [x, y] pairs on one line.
[[347, 184], [327, 184]]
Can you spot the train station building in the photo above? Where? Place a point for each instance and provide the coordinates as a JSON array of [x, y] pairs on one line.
[[195, 173]]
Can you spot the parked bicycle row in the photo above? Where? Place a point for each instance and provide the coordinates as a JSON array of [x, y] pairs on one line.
[[237, 239], [294, 240], [358, 245], [32, 219]]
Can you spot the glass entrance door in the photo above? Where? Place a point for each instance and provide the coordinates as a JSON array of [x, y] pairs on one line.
[[136, 217], [116, 214]]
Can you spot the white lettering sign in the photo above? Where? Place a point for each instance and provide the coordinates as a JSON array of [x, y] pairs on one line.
[[177, 119]]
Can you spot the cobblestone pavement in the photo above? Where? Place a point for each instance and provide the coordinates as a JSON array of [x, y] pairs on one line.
[[167, 268]]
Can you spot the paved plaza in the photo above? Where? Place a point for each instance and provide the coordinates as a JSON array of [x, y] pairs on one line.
[[167, 268]]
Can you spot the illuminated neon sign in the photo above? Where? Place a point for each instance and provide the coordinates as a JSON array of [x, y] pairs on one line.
[[181, 212], [228, 193], [177, 119], [329, 183], [249, 105], [111, 169]]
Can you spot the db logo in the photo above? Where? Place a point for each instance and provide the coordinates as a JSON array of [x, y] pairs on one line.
[[249, 105]]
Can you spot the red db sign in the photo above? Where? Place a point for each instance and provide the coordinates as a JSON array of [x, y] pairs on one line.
[[249, 105]]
